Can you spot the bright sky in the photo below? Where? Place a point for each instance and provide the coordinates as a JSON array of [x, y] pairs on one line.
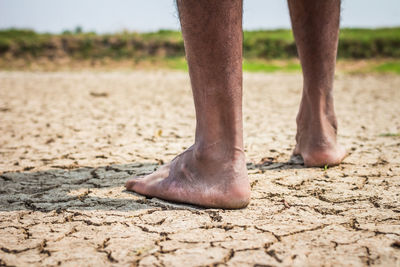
[[151, 15]]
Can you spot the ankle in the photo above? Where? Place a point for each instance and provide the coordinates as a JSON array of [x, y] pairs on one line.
[[218, 152], [316, 112]]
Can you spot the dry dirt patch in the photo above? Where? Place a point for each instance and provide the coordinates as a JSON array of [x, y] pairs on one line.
[[70, 140]]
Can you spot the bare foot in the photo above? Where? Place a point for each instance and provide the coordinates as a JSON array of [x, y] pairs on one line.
[[205, 179], [316, 141]]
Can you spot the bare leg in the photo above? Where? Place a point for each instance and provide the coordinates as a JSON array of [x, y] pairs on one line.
[[316, 29], [213, 171]]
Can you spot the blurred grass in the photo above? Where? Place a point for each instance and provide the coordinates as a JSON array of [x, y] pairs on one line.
[[270, 66], [390, 135], [176, 63], [267, 66], [267, 44], [388, 67], [263, 50], [179, 63]]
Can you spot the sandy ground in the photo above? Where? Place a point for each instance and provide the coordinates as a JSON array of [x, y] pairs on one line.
[[69, 141]]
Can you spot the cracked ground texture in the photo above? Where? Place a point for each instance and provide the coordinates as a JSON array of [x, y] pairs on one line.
[[69, 141]]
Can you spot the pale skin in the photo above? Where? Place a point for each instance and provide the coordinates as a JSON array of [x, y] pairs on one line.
[[212, 172]]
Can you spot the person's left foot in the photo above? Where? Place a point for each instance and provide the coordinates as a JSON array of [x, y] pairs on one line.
[[316, 140]]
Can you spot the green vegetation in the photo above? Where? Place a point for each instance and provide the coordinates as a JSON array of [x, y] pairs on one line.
[[390, 135], [256, 65], [353, 43], [252, 65], [176, 63], [369, 43], [272, 44], [22, 43], [264, 51], [393, 67]]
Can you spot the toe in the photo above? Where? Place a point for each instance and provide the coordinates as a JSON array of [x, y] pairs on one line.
[[130, 184], [138, 185]]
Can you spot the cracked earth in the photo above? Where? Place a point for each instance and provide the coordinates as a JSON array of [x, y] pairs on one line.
[[70, 140]]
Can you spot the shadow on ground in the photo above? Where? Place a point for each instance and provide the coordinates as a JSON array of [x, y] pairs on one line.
[[89, 188]]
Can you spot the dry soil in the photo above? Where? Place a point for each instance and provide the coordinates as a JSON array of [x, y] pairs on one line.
[[69, 141]]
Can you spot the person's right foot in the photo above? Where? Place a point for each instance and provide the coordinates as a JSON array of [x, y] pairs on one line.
[[217, 180]]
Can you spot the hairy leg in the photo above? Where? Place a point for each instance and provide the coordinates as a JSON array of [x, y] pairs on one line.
[[316, 28], [212, 172]]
